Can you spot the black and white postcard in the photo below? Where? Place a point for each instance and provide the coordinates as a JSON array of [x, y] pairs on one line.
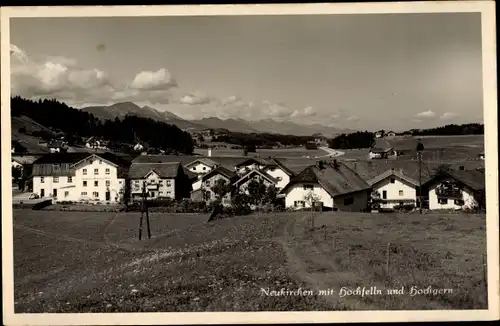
[[282, 163]]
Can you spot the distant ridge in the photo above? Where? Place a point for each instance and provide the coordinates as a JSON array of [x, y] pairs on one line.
[[121, 109]]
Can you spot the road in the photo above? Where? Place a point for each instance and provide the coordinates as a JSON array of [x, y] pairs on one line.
[[331, 152]]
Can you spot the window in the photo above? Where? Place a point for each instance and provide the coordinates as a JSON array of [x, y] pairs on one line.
[[204, 168], [108, 183], [299, 203], [56, 179], [459, 202], [66, 193], [279, 178], [169, 192], [401, 193], [308, 187], [96, 171], [348, 201], [55, 167], [384, 194], [42, 180], [169, 183], [207, 183], [194, 168], [42, 192], [107, 171], [95, 194], [443, 201], [119, 181], [100, 161], [70, 179], [96, 183], [84, 171], [84, 183], [136, 182], [84, 193], [393, 180]]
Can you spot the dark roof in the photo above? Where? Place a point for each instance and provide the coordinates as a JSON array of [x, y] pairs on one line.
[[183, 159], [253, 160], [336, 181], [221, 170], [278, 163], [164, 170], [57, 158], [381, 144], [369, 170], [473, 179], [25, 159]]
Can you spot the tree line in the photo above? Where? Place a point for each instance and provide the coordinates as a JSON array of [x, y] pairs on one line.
[[60, 117], [452, 130], [360, 139]]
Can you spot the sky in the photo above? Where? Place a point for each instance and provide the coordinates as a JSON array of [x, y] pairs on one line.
[[367, 72]]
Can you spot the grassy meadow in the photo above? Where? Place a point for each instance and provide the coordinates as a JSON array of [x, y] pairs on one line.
[[93, 262]]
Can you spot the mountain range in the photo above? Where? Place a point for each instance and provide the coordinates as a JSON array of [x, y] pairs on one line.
[[120, 110]]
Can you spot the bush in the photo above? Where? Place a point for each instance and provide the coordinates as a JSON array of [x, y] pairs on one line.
[[405, 207]]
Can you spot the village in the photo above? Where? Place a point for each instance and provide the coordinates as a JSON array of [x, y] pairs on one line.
[[327, 183]]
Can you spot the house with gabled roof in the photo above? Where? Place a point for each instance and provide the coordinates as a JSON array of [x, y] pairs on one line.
[[98, 178], [242, 183], [462, 189], [209, 182], [382, 149], [201, 165], [332, 184], [279, 171], [159, 180], [394, 188]]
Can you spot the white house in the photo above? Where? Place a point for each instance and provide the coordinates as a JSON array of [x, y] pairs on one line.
[[279, 172], [379, 134], [98, 179], [162, 180], [394, 188], [80, 177], [457, 190], [95, 143], [329, 185], [201, 166]]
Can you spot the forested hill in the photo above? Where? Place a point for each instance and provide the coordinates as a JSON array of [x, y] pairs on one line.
[[452, 130], [59, 116]]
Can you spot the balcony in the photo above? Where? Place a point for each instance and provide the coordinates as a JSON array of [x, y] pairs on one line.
[[449, 193]]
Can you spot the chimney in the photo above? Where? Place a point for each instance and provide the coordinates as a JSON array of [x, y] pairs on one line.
[[209, 152], [320, 165], [461, 168]]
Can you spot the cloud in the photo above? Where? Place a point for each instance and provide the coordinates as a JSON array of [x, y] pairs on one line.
[[353, 118], [195, 99], [154, 80], [448, 116], [426, 114], [64, 79]]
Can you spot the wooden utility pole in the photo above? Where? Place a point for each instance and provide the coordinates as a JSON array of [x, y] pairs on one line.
[[144, 209], [420, 148]]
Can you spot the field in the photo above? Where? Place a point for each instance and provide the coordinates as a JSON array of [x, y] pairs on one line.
[[93, 262], [295, 152]]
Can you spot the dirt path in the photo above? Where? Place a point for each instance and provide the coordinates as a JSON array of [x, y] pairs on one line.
[[327, 279]]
